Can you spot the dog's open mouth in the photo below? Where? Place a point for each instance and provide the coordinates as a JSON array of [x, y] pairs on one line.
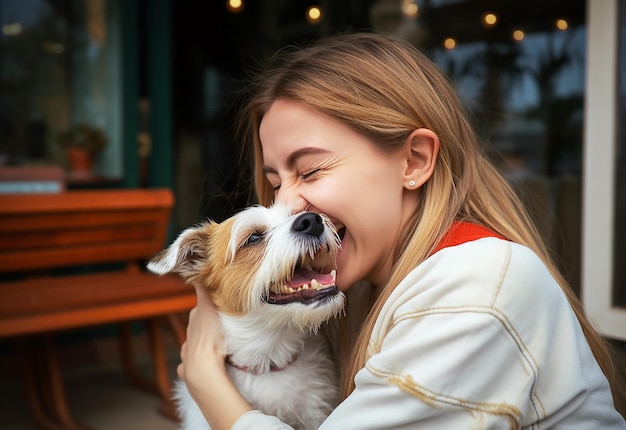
[[308, 284]]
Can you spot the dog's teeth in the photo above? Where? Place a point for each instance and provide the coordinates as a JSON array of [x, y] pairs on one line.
[[290, 290], [306, 286], [333, 273], [315, 284], [285, 289]]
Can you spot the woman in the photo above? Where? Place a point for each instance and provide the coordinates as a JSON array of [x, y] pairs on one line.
[[472, 325]]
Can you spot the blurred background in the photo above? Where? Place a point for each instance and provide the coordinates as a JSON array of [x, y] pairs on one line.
[[151, 89]]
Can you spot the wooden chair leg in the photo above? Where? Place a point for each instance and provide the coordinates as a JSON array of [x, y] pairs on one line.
[[160, 385], [44, 385], [31, 373], [159, 360], [57, 391], [129, 362], [178, 326]]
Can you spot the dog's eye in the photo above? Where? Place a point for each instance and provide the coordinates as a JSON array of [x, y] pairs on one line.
[[253, 238]]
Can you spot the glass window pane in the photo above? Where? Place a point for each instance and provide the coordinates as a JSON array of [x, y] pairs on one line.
[[60, 81], [523, 79]]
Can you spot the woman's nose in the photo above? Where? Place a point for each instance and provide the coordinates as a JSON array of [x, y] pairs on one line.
[[295, 201]]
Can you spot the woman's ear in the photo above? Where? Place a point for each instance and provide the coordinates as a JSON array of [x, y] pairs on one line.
[[422, 149]]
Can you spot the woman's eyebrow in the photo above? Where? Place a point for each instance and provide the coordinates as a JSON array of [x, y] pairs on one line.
[[268, 169], [294, 156]]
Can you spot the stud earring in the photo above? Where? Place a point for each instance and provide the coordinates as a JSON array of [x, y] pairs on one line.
[[411, 183]]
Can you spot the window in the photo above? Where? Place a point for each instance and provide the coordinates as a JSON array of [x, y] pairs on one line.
[[604, 253], [522, 74], [60, 80]]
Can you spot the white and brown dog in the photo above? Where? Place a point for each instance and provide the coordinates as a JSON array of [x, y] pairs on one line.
[[271, 275]]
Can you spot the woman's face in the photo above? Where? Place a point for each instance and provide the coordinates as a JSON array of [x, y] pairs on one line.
[[313, 161]]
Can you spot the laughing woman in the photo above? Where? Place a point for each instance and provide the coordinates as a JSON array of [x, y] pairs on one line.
[[472, 325]]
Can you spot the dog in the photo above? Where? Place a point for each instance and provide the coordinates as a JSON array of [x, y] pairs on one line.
[[271, 275]]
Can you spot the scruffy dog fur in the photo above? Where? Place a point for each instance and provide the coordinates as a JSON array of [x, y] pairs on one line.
[[271, 275]]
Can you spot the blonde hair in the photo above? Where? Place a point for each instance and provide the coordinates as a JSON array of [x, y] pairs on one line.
[[384, 88]]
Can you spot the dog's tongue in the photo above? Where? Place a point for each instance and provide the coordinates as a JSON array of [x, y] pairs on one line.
[[304, 276]]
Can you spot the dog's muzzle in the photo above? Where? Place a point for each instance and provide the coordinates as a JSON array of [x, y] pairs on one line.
[[311, 282]]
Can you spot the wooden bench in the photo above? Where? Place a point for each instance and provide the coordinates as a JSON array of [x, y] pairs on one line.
[[75, 259]]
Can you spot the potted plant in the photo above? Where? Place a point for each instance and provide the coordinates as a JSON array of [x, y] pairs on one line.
[[81, 143]]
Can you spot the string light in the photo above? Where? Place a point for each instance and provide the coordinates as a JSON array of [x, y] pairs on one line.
[[234, 6], [561, 24], [518, 35], [449, 43], [409, 8], [53, 48], [489, 19], [12, 29], [314, 14]]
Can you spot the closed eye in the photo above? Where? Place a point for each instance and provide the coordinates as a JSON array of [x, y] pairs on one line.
[[309, 174]]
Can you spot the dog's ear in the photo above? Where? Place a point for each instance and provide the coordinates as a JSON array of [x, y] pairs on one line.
[[183, 256]]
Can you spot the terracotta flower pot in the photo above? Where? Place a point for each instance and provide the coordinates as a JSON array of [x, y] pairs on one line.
[[80, 160]]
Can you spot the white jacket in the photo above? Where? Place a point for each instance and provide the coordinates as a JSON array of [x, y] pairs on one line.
[[478, 336]]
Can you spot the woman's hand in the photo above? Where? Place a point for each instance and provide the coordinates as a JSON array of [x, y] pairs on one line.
[[203, 366], [202, 353]]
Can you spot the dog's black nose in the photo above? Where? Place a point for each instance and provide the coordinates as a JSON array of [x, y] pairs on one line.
[[308, 223]]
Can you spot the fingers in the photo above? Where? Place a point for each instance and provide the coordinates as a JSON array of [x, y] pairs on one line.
[[204, 345], [203, 300], [192, 314], [183, 351]]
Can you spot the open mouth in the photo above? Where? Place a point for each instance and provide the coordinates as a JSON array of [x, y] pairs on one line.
[[309, 284], [341, 232]]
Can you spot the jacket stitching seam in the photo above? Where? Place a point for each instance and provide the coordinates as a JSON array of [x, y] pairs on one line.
[[503, 273], [535, 401], [406, 384]]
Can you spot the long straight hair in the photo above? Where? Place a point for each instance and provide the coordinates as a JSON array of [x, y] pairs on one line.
[[384, 89]]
